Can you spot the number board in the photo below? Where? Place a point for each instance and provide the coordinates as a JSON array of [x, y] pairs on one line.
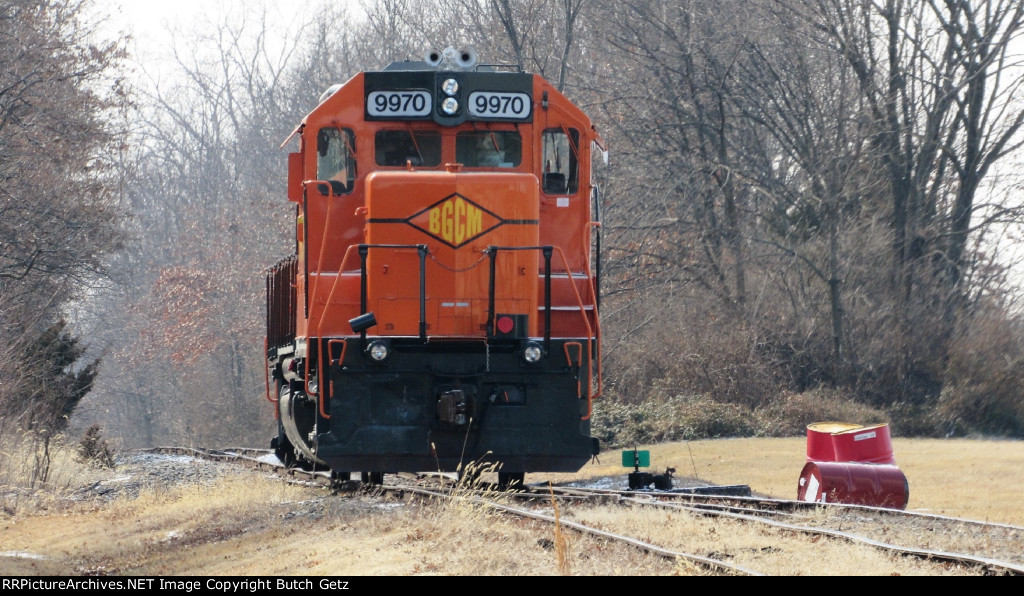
[[399, 104], [499, 105]]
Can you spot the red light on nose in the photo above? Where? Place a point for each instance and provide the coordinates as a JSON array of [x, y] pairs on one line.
[[506, 324]]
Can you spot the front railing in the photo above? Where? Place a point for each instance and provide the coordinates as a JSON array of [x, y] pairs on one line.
[[593, 332]]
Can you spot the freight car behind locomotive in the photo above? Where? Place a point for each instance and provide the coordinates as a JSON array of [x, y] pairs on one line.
[[441, 306]]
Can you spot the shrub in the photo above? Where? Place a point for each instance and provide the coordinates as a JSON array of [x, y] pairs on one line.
[[693, 417], [983, 380], [677, 418], [94, 449], [789, 414]]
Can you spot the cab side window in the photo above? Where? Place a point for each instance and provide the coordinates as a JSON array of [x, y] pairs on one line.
[[560, 161], [336, 158]]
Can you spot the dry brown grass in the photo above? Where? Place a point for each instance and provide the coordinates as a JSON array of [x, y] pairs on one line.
[[755, 547], [35, 476], [112, 537], [254, 525], [974, 479]]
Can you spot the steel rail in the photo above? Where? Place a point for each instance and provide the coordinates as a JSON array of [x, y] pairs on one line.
[[788, 504], [585, 529], [645, 498], [991, 564]]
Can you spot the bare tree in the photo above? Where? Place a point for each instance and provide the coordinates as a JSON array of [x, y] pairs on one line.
[[61, 100], [393, 31], [572, 10], [943, 89], [682, 129], [210, 204], [772, 140], [502, 9], [816, 178]]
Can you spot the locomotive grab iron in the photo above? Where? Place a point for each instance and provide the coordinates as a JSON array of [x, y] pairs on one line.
[[441, 306]]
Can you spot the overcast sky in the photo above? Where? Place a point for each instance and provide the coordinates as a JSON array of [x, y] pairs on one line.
[[155, 24], [152, 17]]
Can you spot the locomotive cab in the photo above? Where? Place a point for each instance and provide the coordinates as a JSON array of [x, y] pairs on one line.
[[441, 305]]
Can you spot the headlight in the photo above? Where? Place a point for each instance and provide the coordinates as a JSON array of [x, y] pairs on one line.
[[379, 351], [450, 106], [532, 353], [450, 87]]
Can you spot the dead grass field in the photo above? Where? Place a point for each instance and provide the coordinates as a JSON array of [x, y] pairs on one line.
[[974, 479], [249, 525]]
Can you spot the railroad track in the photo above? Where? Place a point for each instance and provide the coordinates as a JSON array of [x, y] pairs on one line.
[[974, 547], [1000, 543], [993, 548]]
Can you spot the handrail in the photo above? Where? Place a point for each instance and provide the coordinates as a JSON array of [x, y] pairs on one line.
[[492, 253], [323, 243], [597, 270], [597, 354], [320, 322], [344, 347], [316, 287], [579, 358], [266, 373], [320, 354], [591, 333], [363, 249], [591, 336], [319, 270], [595, 291]]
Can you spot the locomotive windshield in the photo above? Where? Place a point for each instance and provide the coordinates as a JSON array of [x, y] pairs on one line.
[[398, 147], [494, 149]]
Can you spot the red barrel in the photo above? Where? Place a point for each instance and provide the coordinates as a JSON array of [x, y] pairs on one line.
[[877, 485], [866, 445], [819, 439]]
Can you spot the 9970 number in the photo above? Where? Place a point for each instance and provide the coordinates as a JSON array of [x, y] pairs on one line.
[[398, 103], [490, 104]]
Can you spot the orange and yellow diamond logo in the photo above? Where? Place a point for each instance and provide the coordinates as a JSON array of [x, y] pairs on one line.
[[455, 220]]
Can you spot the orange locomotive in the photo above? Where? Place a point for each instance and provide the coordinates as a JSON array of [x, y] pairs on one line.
[[441, 307]]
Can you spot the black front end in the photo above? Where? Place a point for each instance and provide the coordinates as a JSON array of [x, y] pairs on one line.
[[441, 405]]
